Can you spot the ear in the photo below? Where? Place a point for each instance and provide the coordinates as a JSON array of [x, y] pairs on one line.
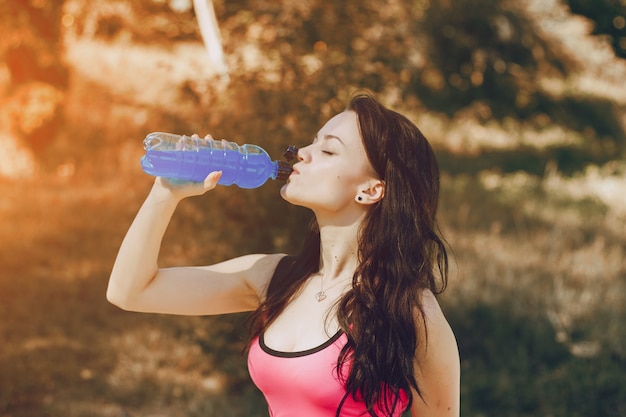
[[371, 193]]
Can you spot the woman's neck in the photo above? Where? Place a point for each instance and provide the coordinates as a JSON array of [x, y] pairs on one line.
[[338, 250]]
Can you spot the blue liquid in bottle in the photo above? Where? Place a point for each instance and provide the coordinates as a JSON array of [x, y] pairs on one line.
[[192, 159]]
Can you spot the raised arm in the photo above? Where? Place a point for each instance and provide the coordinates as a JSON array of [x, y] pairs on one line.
[[138, 284]]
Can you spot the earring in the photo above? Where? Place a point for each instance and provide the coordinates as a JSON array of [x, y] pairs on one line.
[[359, 198]]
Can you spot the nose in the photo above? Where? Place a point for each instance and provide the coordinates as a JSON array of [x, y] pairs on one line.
[[302, 153]]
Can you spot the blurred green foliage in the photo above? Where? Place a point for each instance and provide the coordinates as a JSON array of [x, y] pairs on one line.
[[609, 18], [513, 366]]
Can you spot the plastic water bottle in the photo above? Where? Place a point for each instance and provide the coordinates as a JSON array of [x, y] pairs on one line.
[[192, 159]]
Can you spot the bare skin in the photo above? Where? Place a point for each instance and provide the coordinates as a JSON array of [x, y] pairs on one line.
[[334, 179]]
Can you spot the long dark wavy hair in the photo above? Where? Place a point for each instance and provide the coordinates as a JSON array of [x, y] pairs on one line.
[[400, 254]]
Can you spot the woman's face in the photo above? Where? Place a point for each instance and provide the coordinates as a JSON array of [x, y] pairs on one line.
[[333, 170]]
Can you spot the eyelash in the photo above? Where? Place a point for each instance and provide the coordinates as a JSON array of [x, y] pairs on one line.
[[327, 152]]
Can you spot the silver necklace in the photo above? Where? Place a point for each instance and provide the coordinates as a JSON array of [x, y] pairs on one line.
[[321, 294]]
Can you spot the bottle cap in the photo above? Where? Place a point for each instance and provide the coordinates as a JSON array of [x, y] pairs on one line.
[[284, 169], [291, 152]]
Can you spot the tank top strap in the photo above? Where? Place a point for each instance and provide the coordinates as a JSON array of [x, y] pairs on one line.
[[281, 278]]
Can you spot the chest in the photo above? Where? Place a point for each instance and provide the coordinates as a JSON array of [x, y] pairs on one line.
[[307, 383], [305, 322], [298, 383]]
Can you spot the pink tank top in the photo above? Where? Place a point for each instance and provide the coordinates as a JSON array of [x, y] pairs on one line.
[[306, 384]]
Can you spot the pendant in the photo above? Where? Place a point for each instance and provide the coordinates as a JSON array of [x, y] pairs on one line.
[[320, 296]]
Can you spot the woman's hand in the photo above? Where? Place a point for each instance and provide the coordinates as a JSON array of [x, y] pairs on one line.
[[181, 189]]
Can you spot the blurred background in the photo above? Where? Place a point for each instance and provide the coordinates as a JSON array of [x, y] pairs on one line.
[[523, 100]]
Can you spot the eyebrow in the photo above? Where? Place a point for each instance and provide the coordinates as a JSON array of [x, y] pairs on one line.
[[328, 136]]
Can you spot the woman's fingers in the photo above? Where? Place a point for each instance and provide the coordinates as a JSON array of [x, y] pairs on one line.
[[182, 188], [211, 180]]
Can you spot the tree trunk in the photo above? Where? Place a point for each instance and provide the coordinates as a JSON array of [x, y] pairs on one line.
[[209, 30]]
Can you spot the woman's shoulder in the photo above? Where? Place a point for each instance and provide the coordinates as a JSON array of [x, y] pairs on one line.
[[257, 269], [437, 362], [433, 321], [430, 304]]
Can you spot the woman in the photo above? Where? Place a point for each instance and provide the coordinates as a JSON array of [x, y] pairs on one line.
[[350, 326]]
